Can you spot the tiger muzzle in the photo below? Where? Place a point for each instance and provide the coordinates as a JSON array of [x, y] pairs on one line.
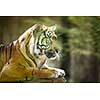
[[50, 54]]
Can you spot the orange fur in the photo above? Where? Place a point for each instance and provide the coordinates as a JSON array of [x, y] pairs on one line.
[[21, 69]]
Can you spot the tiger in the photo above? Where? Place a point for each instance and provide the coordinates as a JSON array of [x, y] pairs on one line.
[[25, 59]]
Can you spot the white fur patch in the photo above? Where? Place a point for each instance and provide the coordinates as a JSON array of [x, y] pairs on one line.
[[58, 72], [31, 45], [36, 51]]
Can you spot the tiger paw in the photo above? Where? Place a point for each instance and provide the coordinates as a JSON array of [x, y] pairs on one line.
[[58, 73]]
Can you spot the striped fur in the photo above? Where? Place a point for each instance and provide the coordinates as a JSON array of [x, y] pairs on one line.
[[25, 58], [5, 54]]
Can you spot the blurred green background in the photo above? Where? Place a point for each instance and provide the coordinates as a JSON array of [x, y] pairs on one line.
[[78, 36]]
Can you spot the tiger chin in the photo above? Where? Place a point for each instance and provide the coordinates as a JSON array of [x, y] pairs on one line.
[[24, 60]]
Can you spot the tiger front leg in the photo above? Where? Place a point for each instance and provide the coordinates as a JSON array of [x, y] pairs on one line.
[[57, 72], [48, 72]]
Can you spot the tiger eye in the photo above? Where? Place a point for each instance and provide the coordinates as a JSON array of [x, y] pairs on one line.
[[49, 33]]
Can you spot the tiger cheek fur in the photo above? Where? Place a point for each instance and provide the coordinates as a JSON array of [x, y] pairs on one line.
[[20, 65]]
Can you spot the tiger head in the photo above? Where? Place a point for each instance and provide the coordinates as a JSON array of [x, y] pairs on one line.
[[38, 41], [46, 42]]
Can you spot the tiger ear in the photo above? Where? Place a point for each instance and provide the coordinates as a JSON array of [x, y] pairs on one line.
[[53, 27]]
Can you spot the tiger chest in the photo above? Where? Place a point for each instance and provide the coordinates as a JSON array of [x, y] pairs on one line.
[[41, 61]]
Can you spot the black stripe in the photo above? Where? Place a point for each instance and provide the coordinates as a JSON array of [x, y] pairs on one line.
[[26, 78], [1, 51], [2, 48], [6, 52], [22, 39], [21, 65], [10, 50]]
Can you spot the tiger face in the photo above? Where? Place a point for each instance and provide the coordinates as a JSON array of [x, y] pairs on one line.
[[46, 42]]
